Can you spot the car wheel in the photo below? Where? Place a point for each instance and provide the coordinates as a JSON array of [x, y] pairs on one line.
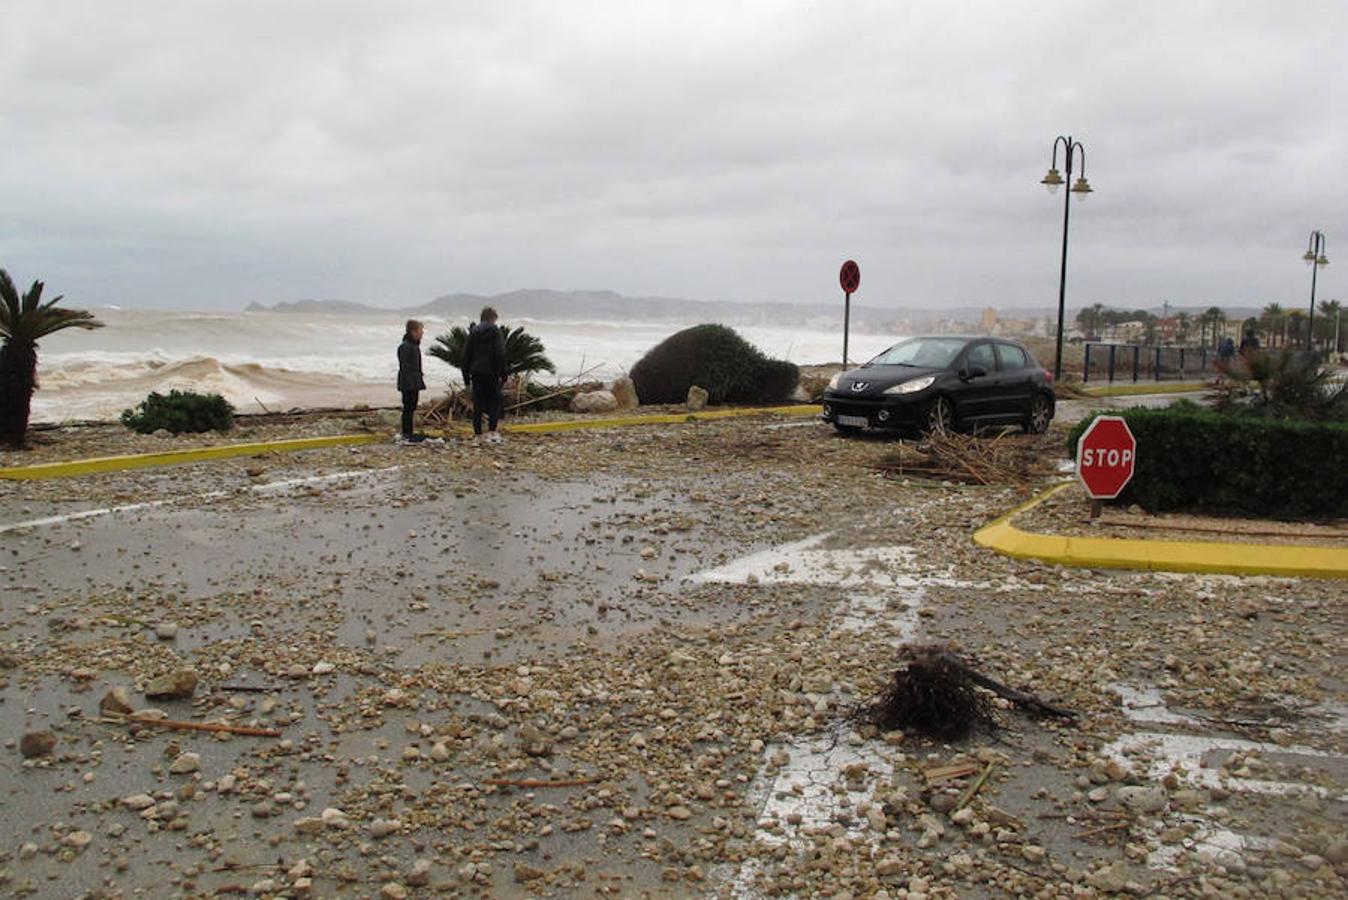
[[940, 418], [847, 429], [1041, 413]]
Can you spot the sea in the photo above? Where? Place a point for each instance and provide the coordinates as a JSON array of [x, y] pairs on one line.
[[268, 361]]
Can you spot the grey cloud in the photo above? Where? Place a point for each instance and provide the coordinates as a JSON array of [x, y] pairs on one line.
[[209, 154]]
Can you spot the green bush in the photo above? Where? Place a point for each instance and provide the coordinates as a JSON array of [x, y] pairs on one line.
[[180, 412], [717, 359], [1190, 458]]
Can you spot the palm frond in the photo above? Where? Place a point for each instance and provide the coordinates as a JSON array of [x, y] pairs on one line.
[[55, 320]]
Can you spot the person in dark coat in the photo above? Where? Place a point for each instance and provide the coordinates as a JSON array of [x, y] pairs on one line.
[[410, 381], [1250, 343], [485, 371]]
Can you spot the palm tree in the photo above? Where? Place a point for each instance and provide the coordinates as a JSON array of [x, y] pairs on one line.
[[23, 321], [1215, 317], [524, 352], [1271, 320], [1293, 329], [1327, 323]]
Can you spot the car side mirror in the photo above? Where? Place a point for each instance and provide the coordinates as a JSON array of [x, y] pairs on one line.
[[973, 372]]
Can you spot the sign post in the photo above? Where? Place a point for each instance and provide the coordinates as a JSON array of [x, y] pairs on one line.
[[850, 278], [1106, 457]]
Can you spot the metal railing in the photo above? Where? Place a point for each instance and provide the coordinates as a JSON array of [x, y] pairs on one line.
[[1134, 362]]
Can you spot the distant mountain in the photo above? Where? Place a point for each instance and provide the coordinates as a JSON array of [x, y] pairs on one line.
[[609, 305]]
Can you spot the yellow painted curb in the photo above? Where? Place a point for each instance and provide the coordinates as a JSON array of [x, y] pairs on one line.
[[225, 451], [664, 419], [179, 457], [1289, 560]]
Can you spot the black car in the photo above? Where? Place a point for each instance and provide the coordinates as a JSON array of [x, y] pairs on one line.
[[939, 383]]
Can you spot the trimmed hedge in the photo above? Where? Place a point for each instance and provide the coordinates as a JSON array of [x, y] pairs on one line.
[[180, 412], [717, 359], [1192, 458]]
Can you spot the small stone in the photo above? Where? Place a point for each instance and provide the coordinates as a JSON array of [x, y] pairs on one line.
[[681, 813], [166, 631], [323, 667], [963, 816], [185, 763], [1337, 851], [37, 743], [78, 839], [334, 818], [1142, 799], [420, 873], [440, 751], [381, 828], [697, 398], [393, 891], [116, 702], [263, 810], [1110, 879], [1033, 853], [309, 825], [525, 872], [178, 685], [138, 802]]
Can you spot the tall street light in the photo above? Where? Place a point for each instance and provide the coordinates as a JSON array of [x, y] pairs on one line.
[[1316, 259], [1053, 180]]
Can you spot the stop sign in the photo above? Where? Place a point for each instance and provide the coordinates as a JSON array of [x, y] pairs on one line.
[[1106, 454]]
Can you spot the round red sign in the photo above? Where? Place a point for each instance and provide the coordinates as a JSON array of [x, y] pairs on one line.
[[850, 277], [1106, 455]]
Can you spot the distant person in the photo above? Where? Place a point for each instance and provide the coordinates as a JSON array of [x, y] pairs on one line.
[[1249, 343], [484, 370], [410, 381]]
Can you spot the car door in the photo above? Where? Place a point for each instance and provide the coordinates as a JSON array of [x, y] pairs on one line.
[[1017, 382], [976, 397]]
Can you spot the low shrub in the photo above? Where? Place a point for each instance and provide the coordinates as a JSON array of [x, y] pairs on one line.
[[1190, 458], [716, 359], [180, 412]]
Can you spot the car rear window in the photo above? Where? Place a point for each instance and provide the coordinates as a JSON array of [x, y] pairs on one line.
[[1012, 357]]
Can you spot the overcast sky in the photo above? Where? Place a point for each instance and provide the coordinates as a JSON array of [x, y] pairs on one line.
[[207, 154]]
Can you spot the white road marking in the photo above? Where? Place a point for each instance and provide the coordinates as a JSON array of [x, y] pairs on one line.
[[267, 487], [888, 592], [1186, 752]]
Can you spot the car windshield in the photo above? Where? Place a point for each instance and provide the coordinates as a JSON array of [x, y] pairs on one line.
[[930, 353]]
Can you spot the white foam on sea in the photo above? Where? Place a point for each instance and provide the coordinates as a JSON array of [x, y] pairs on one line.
[[322, 360]]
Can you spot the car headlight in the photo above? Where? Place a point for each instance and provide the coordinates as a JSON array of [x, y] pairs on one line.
[[912, 387], [833, 382]]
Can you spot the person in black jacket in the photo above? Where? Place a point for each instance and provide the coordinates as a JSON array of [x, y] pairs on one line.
[[410, 381], [484, 370]]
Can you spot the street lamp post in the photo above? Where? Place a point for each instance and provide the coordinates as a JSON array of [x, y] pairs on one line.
[[1316, 259], [1053, 180]]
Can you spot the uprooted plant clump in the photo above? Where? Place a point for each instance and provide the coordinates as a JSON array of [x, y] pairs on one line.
[[935, 693]]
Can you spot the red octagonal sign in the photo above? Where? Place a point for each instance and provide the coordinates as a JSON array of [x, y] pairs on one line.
[[1106, 454]]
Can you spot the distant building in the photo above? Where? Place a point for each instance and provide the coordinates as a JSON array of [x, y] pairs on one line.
[[989, 320]]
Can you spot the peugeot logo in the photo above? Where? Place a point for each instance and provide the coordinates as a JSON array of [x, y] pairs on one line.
[[859, 386]]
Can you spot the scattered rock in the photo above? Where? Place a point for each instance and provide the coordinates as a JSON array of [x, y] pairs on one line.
[[697, 398], [1142, 799], [177, 685], [594, 401], [625, 392], [116, 702], [185, 763], [37, 743]]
